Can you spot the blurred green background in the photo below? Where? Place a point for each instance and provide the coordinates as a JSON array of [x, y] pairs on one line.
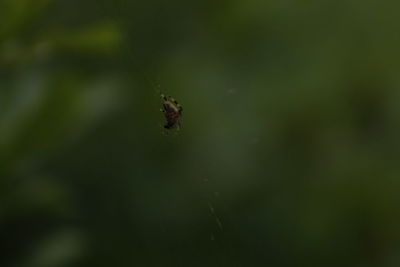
[[288, 156]]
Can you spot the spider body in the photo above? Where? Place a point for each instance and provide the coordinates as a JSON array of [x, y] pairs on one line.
[[172, 112]]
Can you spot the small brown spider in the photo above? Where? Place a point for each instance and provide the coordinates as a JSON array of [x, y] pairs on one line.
[[172, 112]]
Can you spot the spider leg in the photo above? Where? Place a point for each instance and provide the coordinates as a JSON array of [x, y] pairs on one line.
[[164, 97]]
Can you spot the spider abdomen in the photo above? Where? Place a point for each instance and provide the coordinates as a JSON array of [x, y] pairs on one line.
[[172, 112]]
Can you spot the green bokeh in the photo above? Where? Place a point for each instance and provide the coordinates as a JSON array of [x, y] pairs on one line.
[[288, 156]]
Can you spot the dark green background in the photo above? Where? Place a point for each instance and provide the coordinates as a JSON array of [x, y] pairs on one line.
[[288, 156]]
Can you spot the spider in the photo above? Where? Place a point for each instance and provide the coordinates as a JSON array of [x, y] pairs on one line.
[[172, 112]]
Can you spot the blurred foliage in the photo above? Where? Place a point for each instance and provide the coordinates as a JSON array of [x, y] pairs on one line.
[[288, 155]]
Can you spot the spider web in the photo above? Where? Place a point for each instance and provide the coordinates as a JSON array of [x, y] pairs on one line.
[[115, 12], [118, 12]]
